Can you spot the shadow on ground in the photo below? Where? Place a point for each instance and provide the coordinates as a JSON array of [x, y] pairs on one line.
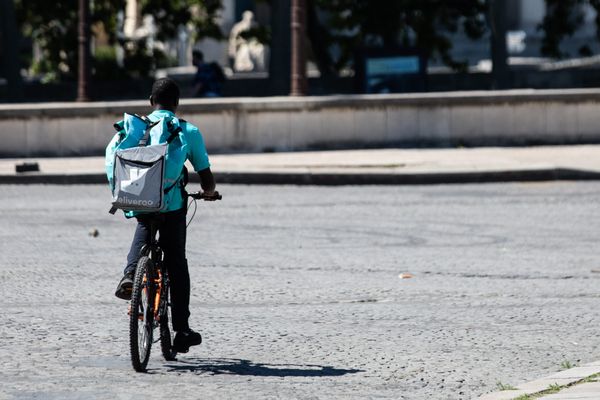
[[245, 367]]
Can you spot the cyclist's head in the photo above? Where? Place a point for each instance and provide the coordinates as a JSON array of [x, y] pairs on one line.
[[165, 94], [197, 57]]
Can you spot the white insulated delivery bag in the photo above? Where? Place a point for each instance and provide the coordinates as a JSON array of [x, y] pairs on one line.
[[138, 178]]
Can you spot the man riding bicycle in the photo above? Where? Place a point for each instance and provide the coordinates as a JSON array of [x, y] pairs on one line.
[[172, 229]]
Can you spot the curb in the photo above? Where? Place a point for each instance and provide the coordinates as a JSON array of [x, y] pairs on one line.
[[552, 385], [52, 179], [422, 178], [334, 179]]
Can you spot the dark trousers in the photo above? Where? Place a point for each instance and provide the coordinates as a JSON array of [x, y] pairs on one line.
[[172, 232]]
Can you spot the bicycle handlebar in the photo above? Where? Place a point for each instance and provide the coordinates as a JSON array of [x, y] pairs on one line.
[[205, 197]]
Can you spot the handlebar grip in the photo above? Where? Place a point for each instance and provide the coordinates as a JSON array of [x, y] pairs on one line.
[[202, 196]]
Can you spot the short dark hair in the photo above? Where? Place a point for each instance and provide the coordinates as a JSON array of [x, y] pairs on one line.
[[165, 92], [198, 54]]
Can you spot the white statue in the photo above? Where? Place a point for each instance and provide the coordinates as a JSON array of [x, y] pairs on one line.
[[247, 55]]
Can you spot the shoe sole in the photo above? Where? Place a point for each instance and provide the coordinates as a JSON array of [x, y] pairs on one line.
[[124, 292], [181, 349], [185, 349]]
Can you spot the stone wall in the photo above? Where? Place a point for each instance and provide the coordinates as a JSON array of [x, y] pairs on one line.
[[517, 117]]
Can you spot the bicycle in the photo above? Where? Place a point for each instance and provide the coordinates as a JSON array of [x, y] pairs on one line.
[[149, 306]]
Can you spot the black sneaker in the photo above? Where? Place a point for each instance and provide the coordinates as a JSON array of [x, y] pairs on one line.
[[125, 286], [185, 339]]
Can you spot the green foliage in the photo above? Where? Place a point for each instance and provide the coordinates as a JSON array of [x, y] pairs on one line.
[[563, 18], [168, 15], [567, 365], [553, 388], [105, 12], [105, 66], [53, 27], [138, 61], [421, 23]]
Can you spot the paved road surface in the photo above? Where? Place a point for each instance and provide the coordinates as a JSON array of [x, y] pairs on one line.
[[297, 292]]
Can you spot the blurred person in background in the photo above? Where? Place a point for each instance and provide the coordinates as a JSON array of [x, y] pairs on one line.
[[208, 78]]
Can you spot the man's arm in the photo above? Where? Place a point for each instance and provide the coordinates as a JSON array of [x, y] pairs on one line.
[[207, 181], [199, 159]]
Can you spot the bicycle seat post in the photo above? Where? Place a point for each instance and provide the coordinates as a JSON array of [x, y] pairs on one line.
[[154, 247], [154, 223]]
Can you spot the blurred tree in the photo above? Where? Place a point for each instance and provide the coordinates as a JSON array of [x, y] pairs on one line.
[[563, 18], [336, 28], [54, 31], [424, 24], [10, 50], [169, 15]]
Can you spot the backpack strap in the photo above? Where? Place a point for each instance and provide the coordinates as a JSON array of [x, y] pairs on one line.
[[183, 178], [170, 126], [149, 126], [143, 118], [167, 190], [174, 131], [120, 128]]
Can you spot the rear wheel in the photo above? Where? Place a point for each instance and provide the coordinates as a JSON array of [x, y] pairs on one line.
[[141, 315]]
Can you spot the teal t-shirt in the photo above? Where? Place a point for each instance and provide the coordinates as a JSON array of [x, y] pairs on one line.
[[192, 149]]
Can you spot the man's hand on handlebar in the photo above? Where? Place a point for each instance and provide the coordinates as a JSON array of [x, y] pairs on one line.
[[211, 195], [206, 195]]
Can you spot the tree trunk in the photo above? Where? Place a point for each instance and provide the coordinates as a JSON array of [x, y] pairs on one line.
[[280, 61], [83, 72], [298, 28], [498, 27]]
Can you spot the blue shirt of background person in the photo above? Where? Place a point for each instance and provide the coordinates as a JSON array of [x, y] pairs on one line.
[[208, 78]]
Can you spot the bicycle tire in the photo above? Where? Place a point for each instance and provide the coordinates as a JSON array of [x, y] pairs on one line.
[[166, 344], [140, 331]]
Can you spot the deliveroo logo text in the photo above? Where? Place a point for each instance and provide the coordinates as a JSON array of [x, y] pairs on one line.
[[135, 184]]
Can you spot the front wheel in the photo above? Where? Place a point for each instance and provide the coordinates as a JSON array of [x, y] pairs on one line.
[[141, 315]]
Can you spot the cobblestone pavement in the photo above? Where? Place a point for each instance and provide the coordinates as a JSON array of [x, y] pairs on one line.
[[297, 292]]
